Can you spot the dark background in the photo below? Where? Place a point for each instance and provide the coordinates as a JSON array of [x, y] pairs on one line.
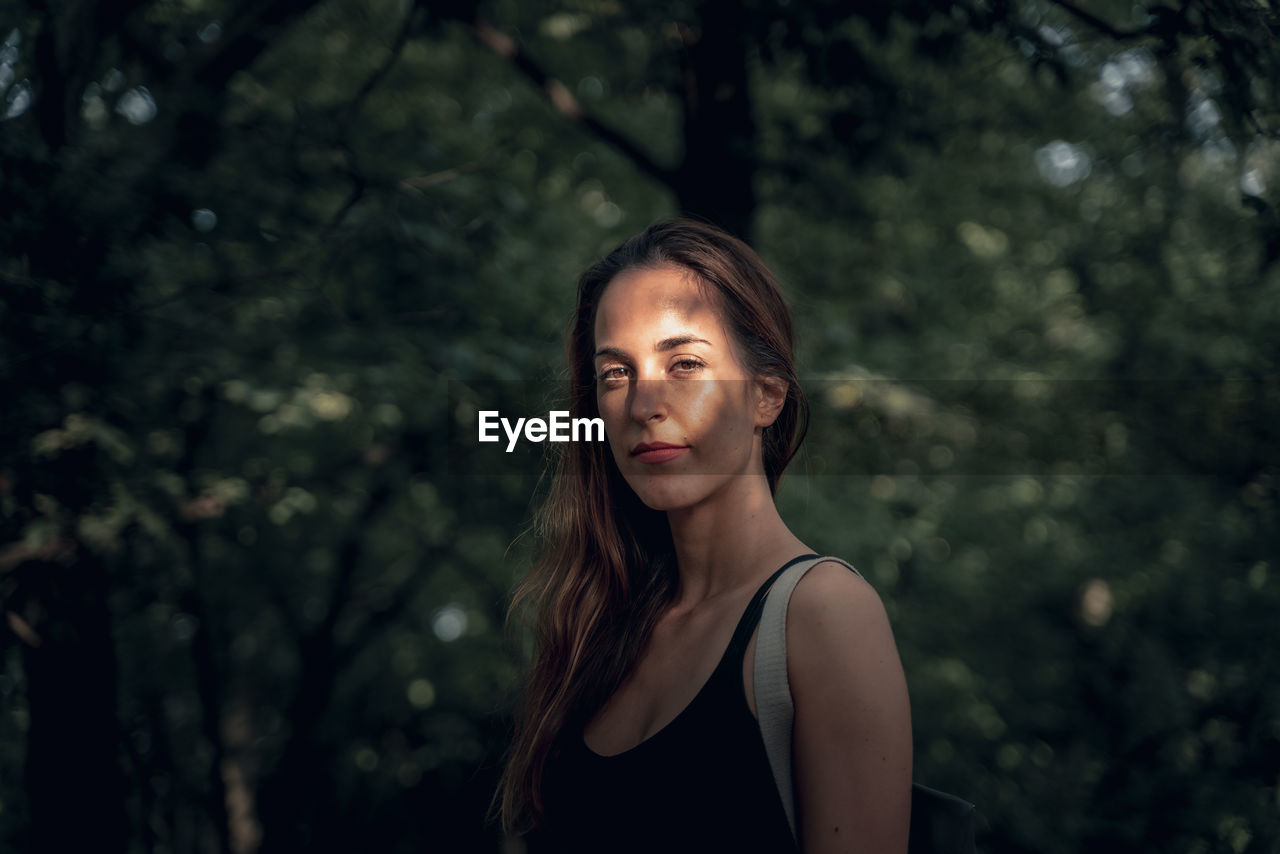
[[251, 251]]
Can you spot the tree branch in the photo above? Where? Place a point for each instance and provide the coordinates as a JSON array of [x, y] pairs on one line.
[[351, 113], [564, 102], [352, 169], [380, 73], [1098, 23]]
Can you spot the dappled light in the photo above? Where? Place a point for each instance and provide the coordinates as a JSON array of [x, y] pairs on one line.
[[1123, 78], [1062, 163], [137, 106]]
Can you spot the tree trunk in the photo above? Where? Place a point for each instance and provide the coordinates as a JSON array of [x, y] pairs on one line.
[[716, 178], [75, 788]]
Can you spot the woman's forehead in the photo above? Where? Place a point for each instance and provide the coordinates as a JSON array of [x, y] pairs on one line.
[[653, 298]]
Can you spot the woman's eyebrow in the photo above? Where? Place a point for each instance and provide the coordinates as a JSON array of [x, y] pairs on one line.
[[678, 341], [661, 347]]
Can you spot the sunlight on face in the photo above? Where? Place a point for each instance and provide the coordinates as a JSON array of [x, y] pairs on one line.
[[681, 414]]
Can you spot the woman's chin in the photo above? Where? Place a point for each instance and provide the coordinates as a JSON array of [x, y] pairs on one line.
[[672, 491]]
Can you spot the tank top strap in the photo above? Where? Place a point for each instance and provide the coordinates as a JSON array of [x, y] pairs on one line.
[[747, 625]]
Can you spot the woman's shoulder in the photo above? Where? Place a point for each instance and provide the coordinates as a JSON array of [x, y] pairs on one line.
[[852, 730], [834, 609], [831, 585]]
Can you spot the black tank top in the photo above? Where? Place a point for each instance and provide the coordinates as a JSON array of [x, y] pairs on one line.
[[700, 784]]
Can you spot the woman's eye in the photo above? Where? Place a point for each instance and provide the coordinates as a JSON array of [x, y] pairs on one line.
[[688, 365], [617, 373]]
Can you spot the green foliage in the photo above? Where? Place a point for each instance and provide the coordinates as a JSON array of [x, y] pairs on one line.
[[253, 255]]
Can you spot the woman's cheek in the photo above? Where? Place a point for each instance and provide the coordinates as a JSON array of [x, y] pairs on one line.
[[613, 432], [697, 402], [712, 409]]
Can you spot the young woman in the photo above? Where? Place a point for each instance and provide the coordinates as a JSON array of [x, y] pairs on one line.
[[638, 728]]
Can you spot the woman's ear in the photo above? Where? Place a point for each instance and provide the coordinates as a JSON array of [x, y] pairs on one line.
[[771, 395]]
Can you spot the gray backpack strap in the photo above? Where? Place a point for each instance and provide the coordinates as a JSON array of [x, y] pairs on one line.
[[774, 708]]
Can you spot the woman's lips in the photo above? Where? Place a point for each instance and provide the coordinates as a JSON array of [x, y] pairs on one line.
[[660, 455]]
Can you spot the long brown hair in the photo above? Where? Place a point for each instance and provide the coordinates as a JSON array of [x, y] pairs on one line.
[[607, 566]]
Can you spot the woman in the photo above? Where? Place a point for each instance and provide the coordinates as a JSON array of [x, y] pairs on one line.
[[638, 729]]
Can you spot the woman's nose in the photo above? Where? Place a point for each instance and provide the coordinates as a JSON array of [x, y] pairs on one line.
[[649, 400]]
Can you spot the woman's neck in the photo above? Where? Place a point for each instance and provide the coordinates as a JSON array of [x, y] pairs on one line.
[[729, 542]]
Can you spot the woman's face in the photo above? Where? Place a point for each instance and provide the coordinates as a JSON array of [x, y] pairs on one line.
[[682, 415]]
